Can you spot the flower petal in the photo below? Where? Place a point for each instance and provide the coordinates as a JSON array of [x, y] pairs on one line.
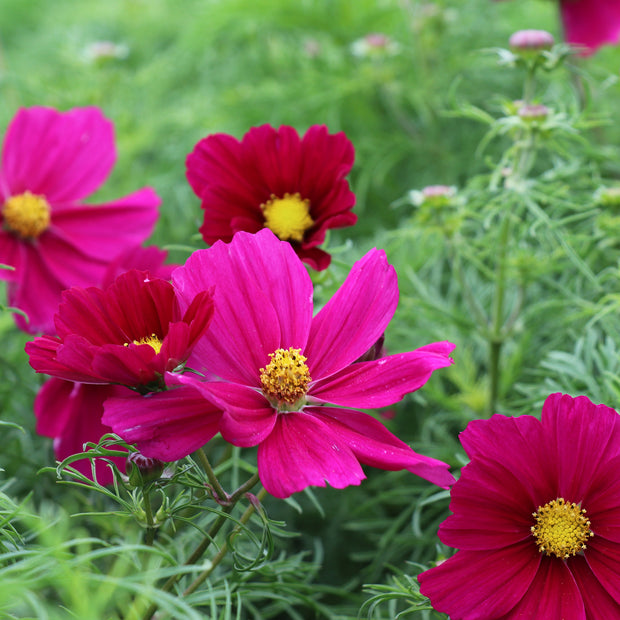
[[599, 605], [383, 382], [262, 296], [302, 451], [472, 585], [164, 425], [591, 23], [372, 444], [64, 156], [603, 558], [354, 318]]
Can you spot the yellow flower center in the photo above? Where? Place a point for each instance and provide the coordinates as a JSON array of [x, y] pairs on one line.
[[561, 529], [285, 379], [153, 341], [26, 215], [288, 217]]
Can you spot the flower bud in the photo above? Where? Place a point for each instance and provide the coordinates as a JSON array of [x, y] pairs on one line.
[[531, 40], [533, 112], [142, 469]]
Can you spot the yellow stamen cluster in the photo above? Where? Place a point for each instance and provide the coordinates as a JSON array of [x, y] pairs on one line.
[[153, 341], [561, 529], [288, 217], [285, 379], [26, 215]]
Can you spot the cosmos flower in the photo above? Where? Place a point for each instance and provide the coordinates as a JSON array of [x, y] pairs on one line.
[[286, 381], [70, 412], [131, 333], [274, 179], [50, 162], [536, 518]]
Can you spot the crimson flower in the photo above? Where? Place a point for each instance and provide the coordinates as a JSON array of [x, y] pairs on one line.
[[274, 179], [588, 24], [50, 162], [536, 518], [286, 381], [131, 333]]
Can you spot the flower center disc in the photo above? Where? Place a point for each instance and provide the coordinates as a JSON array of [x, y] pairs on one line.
[[561, 529], [27, 215], [288, 217], [153, 341], [285, 379]]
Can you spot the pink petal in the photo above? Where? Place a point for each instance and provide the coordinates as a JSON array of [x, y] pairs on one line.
[[473, 585], [585, 436], [247, 416], [520, 445], [603, 558], [553, 593], [491, 509], [64, 156], [382, 382], [598, 604], [372, 444], [354, 318], [104, 231], [71, 413], [602, 502], [11, 253], [164, 425], [302, 451], [262, 297], [591, 23]]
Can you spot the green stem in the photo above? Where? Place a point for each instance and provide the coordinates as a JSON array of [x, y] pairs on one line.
[[215, 483], [219, 556], [150, 522], [207, 540]]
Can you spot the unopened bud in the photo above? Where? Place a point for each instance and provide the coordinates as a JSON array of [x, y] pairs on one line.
[[531, 40], [142, 469], [533, 112]]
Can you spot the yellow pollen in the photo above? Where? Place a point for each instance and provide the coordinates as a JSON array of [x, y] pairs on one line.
[[561, 529], [153, 341], [288, 217], [26, 215], [285, 379]]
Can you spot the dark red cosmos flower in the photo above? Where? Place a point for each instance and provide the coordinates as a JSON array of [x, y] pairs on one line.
[[274, 179], [130, 333]]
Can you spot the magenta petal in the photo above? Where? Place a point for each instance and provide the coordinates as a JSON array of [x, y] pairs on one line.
[[382, 382], [354, 318], [104, 231], [603, 558], [473, 585], [372, 444], [64, 156], [71, 413], [591, 23], [165, 425], [302, 451], [553, 593], [262, 297], [599, 605], [247, 419]]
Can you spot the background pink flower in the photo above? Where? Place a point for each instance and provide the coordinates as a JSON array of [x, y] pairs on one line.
[[536, 518], [51, 161], [591, 23], [278, 367], [272, 178]]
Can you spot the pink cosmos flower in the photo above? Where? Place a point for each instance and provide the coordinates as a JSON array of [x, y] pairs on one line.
[[71, 412], [589, 24], [273, 179], [286, 381], [50, 162], [130, 333], [536, 518]]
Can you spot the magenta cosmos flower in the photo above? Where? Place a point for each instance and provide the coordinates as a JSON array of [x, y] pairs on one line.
[[273, 179], [588, 24], [50, 162], [131, 333], [289, 382], [536, 518]]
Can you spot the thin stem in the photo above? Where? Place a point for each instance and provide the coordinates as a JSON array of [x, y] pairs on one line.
[[215, 483], [219, 556], [208, 539], [150, 522]]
